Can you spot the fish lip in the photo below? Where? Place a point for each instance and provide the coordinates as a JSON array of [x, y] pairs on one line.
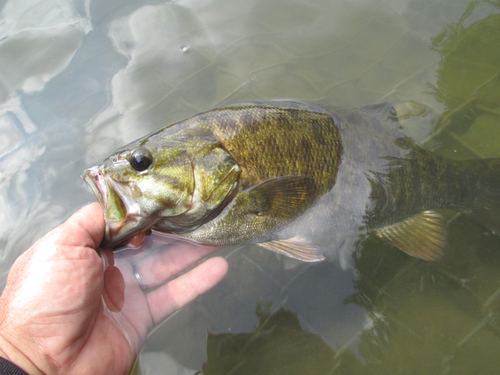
[[91, 177]]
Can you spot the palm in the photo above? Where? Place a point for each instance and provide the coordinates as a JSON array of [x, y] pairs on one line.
[[78, 316]]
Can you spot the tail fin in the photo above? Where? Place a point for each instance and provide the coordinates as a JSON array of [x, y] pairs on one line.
[[486, 208]]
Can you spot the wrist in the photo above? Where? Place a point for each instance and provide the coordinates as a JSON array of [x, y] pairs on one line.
[[16, 356]]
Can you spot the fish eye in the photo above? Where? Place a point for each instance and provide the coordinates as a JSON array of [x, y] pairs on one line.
[[141, 159]]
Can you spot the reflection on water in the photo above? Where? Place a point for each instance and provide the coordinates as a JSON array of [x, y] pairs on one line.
[[468, 85], [80, 78]]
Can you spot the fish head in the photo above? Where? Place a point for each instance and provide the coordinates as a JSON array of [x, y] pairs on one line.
[[173, 186], [138, 185]]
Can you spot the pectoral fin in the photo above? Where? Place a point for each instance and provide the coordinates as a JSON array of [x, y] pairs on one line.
[[296, 247], [422, 236], [282, 197]]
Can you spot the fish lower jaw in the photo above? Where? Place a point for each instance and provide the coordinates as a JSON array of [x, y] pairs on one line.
[[90, 177]]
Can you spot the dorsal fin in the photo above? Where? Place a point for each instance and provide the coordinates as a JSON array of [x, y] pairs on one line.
[[422, 236]]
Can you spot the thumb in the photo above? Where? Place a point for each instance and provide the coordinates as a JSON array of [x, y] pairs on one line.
[[84, 228]]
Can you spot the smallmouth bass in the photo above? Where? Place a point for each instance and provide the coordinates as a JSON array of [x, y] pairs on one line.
[[281, 174]]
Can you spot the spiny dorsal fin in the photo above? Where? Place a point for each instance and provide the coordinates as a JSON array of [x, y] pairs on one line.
[[284, 197], [296, 247], [422, 236]]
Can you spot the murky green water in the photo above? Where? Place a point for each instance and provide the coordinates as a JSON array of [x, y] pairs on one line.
[[80, 78]]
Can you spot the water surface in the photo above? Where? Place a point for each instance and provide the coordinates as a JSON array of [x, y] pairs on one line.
[[81, 78]]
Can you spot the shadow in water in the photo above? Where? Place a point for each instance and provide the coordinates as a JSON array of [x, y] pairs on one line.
[[278, 345]]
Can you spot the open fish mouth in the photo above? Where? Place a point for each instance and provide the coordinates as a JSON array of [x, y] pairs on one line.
[[123, 216], [112, 204]]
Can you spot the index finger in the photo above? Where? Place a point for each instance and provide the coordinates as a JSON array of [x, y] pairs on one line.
[[173, 258], [174, 295]]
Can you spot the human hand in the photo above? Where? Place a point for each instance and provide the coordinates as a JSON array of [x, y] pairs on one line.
[[62, 311]]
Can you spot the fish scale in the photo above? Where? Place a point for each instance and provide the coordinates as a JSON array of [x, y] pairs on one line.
[[268, 146]]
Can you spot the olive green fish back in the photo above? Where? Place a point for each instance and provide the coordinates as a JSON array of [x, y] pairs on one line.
[[269, 142]]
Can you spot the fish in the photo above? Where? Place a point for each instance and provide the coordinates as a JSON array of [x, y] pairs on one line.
[[282, 174]]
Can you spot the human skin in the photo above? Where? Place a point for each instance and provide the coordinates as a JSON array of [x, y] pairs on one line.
[[63, 312]]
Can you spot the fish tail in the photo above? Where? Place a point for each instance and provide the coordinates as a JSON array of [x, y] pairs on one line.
[[486, 206]]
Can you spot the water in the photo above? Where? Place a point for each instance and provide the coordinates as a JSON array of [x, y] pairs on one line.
[[81, 78]]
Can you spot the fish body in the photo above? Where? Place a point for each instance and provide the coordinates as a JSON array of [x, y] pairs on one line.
[[281, 174]]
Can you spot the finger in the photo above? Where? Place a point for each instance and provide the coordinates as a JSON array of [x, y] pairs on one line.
[[158, 267], [74, 240], [123, 295], [137, 241], [85, 227], [176, 294]]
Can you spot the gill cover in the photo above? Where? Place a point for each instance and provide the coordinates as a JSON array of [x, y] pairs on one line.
[[215, 175]]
